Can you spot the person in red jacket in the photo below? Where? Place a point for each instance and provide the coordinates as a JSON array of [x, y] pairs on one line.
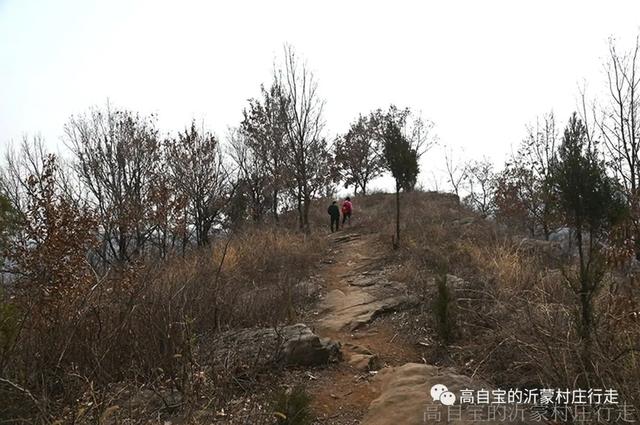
[[347, 209]]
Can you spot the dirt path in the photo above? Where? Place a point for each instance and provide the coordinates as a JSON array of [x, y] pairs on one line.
[[382, 379], [357, 292]]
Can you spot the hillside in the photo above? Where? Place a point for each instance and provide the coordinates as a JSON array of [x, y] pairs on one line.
[[342, 327], [305, 214]]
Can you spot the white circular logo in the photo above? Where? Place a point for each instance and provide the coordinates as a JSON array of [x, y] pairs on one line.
[[437, 390]]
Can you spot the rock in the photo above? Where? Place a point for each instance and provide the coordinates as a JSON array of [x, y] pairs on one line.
[[355, 348], [355, 309], [364, 281], [361, 358], [567, 240], [464, 221], [405, 397], [364, 362], [550, 248], [453, 282], [346, 238], [303, 347], [561, 235], [271, 347]]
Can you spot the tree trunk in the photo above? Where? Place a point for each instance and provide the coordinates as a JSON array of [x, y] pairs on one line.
[[396, 243], [300, 213], [275, 206], [122, 245], [586, 313], [306, 207]]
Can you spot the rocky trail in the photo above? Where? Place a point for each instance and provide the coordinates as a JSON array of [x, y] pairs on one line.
[[351, 355], [381, 378], [357, 292]]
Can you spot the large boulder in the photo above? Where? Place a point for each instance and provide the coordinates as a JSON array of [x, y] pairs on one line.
[[406, 398], [303, 347], [272, 347], [565, 237]]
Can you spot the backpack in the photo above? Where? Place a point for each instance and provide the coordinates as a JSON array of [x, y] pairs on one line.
[[346, 207]]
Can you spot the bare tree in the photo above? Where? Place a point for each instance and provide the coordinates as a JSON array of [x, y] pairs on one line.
[[481, 181], [195, 161], [620, 124], [26, 160], [456, 171], [529, 170], [262, 133], [168, 211], [117, 156], [306, 148], [417, 131], [359, 155], [539, 147], [616, 122], [22, 162], [255, 179]]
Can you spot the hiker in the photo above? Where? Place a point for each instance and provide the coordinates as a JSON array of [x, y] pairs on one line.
[[334, 212], [347, 208]]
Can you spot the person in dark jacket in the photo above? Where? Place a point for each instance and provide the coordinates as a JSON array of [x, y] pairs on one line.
[[334, 212]]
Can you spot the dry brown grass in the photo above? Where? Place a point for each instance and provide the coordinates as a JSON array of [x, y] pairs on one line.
[[137, 330], [516, 314]]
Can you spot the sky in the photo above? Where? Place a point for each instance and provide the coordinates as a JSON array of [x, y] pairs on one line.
[[480, 70]]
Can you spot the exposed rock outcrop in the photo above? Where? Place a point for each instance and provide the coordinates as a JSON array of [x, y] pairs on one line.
[[267, 347], [406, 398], [352, 310]]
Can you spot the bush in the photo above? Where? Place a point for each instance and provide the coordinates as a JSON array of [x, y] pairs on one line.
[[143, 324], [292, 407], [443, 310], [9, 322], [516, 323]]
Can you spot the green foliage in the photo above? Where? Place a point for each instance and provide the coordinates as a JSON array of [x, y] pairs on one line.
[[401, 158], [402, 161], [8, 221], [588, 199], [443, 310], [590, 202], [292, 407]]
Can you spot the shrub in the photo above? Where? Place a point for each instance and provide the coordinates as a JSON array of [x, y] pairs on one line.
[[144, 323], [292, 407], [443, 309], [517, 322], [9, 322]]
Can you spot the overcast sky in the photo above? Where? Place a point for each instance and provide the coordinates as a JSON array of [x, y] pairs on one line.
[[479, 69]]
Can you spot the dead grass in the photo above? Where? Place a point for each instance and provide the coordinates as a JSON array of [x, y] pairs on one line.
[[516, 321], [127, 346], [135, 332]]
